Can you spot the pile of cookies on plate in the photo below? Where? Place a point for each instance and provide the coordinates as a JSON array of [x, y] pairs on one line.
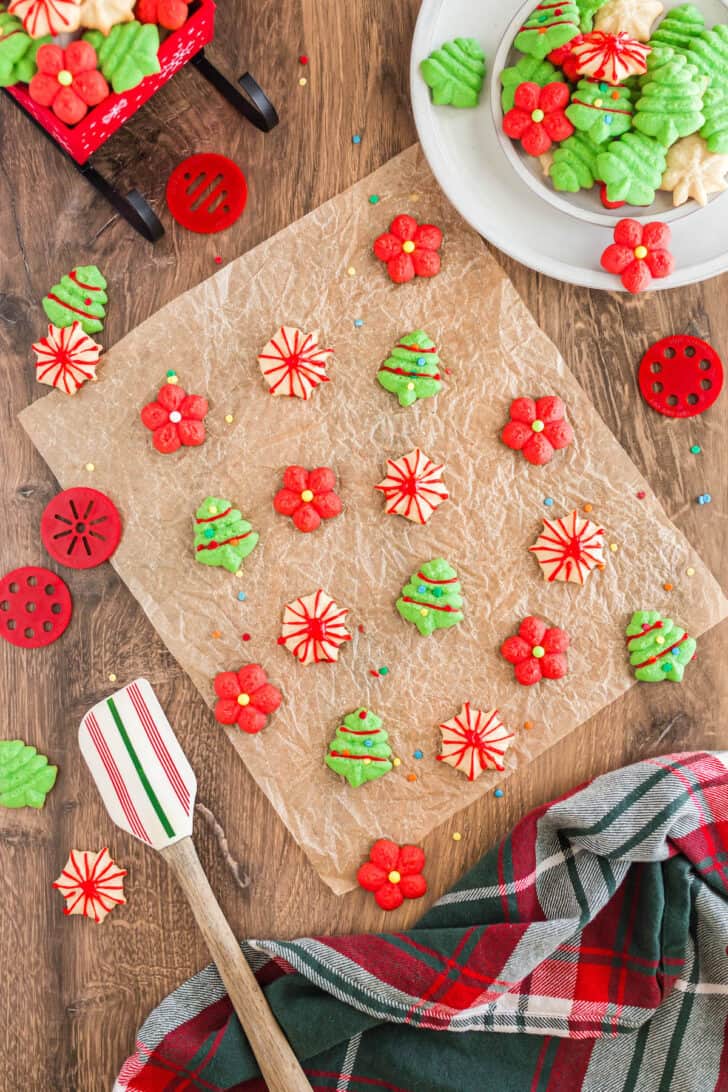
[[607, 92]]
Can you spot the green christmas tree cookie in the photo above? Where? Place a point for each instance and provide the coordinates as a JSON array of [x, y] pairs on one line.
[[455, 73], [78, 297], [222, 537], [672, 98], [359, 751], [632, 168], [574, 164], [678, 28], [715, 130], [17, 52], [25, 776], [587, 11], [128, 54], [412, 369], [431, 599], [527, 70], [551, 25], [599, 111], [658, 648]]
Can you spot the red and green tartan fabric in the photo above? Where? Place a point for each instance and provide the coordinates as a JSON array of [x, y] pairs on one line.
[[595, 935]]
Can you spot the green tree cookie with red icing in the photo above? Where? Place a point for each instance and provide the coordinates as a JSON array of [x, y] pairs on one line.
[[550, 25], [412, 369], [79, 296], [222, 537], [658, 648], [600, 111], [359, 751], [432, 598]]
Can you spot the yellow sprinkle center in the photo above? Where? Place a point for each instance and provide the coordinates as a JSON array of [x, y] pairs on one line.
[[229, 418], [690, 571], [410, 386], [537, 426], [243, 699], [659, 640], [408, 247], [307, 496], [597, 102], [537, 116], [613, 547], [424, 612], [112, 677], [394, 877], [640, 252], [538, 651], [456, 836], [172, 379], [90, 467], [396, 761], [351, 271], [213, 510], [65, 78], [303, 81]]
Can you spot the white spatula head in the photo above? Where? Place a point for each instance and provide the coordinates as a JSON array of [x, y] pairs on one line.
[[144, 778]]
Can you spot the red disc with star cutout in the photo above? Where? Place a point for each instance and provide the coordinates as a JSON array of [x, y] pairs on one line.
[[80, 528], [35, 607], [680, 376], [206, 193]]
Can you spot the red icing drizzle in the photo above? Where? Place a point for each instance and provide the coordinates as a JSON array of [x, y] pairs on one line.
[[429, 580], [357, 758], [654, 659], [225, 542], [211, 519], [429, 606]]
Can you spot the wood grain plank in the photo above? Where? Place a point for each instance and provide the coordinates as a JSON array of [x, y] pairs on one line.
[[74, 993]]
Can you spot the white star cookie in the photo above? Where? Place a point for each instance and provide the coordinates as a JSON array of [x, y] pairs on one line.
[[693, 171], [635, 17], [104, 14]]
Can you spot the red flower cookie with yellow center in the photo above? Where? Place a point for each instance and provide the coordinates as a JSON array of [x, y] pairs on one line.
[[308, 497], [409, 249]]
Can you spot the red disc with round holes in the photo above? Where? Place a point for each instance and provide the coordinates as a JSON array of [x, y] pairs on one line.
[[80, 528], [680, 376], [35, 607], [206, 193]]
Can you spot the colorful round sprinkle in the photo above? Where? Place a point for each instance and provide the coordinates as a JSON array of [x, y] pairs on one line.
[[695, 449], [356, 139], [374, 199], [303, 81], [456, 836], [667, 586], [498, 793], [588, 507], [303, 59], [690, 571], [641, 495], [358, 322], [528, 724], [351, 272], [417, 754], [242, 596], [396, 761], [112, 677], [411, 776], [229, 418], [549, 502], [704, 498], [90, 467], [383, 670], [245, 637]]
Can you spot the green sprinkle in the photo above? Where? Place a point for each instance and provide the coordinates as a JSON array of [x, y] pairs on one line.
[[383, 670], [374, 199], [695, 449]]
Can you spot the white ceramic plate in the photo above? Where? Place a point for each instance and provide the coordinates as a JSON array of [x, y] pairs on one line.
[[494, 191]]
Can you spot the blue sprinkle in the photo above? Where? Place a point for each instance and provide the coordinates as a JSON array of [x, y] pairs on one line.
[[242, 596], [420, 361], [368, 742], [549, 502], [209, 532], [675, 651], [421, 589], [498, 793], [358, 322], [356, 139], [418, 754], [608, 119]]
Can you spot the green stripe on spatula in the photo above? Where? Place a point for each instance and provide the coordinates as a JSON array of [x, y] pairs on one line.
[[153, 800]]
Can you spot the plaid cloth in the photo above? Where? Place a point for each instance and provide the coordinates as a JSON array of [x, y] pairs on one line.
[[595, 934]]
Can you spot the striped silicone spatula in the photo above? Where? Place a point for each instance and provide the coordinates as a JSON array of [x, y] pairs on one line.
[[149, 789]]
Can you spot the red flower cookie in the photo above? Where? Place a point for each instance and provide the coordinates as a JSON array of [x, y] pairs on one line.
[[537, 652], [68, 81], [393, 873], [537, 428], [409, 249], [537, 118], [245, 698], [639, 253], [565, 58], [170, 14], [175, 419], [308, 496]]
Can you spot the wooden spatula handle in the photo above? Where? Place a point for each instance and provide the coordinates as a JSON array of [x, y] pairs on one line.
[[277, 1062]]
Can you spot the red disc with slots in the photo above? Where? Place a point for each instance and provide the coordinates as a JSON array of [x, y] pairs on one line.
[[80, 528], [206, 193], [35, 607], [680, 376]]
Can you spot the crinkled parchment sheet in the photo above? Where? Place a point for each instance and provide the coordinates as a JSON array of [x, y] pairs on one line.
[[211, 337]]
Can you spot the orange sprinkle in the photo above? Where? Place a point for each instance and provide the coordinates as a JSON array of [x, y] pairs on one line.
[[411, 776], [668, 586], [588, 507], [528, 724], [216, 633], [601, 565]]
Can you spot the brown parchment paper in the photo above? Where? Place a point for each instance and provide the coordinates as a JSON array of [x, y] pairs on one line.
[[211, 337]]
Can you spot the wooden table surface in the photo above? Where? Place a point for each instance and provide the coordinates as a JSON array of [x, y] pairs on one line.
[[75, 993]]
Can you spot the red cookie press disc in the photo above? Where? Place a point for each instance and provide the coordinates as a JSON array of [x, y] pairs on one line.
[[206, 193], [35, 607], [680, 376], [80, 528]]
